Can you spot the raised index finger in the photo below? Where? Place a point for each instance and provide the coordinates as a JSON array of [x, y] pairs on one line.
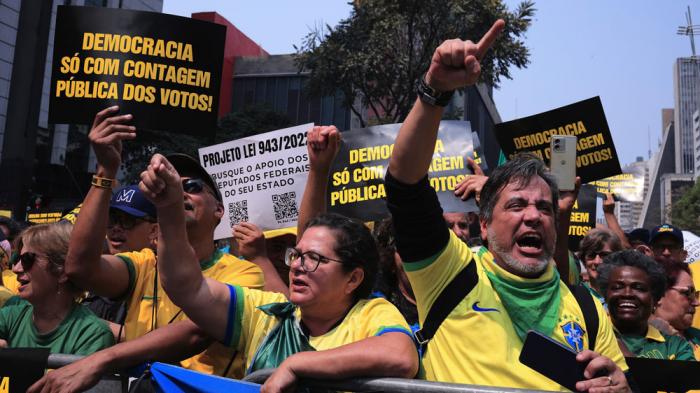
[[488, 38]]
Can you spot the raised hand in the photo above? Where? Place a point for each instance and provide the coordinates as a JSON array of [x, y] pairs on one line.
[[161, 183], [568, 198], [472, 184], [608, 203], [250, 240], [106, 135], [322, 143], [455, 63]]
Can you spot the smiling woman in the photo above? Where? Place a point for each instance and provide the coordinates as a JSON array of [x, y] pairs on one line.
[[45, 314], [633, 284]]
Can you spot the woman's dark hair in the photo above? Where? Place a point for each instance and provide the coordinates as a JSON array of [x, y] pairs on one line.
[[673, 270], [520, 170], [633, 258], [387, 276], [596, 239], [354, 245]]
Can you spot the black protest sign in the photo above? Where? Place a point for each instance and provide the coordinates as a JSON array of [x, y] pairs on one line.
[[43, 216], [596, 157], [627, 186], [21, 367], [582, 216], [356, 187], [165, 70]]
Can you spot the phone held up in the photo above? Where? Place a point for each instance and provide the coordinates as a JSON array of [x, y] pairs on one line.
[[563, 161]]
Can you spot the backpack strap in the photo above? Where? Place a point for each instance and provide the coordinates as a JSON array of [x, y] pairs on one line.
[[590, 314], [449, 298]]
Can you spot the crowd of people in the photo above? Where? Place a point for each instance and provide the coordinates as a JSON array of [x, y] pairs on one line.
[[138, 278]]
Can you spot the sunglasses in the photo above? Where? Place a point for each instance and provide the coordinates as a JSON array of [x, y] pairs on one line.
[[193, 186], [27, 260], [126, 221], [601, 254]]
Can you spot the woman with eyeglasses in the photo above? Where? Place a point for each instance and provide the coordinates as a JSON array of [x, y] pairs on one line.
[[328, 328], [45, 314], [596, 245], [633, 283], [678, 305]]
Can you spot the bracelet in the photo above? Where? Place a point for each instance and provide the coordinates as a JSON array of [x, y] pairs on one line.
[[103, 182], [431, 96]]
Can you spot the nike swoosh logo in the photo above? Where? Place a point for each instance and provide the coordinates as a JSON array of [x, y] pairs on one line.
[[476, 308]]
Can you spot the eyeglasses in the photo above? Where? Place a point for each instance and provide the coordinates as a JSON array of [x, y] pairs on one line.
[[689, 292], [27, 260], [193, 186], [125, 221], [601, 254], [309, 260]]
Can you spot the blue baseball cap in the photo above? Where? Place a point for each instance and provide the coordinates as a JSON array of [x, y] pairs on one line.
[[666, 229], [133, 202]]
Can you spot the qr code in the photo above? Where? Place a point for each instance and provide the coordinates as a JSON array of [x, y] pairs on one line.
[[238, 211], [285, 206]]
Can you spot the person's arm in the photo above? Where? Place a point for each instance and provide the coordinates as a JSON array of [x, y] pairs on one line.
[[388, 355], [251, 246], [611, 219], [204, 300], [561, 251], [173, 342], [322, 144], [472, 184], [85, 265]]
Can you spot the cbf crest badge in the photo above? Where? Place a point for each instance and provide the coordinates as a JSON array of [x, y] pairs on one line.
[[573, 333]]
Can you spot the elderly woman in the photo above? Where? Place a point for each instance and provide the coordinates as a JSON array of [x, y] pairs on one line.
[[679, 303], [596, 245], [46, 314], [633, 283]]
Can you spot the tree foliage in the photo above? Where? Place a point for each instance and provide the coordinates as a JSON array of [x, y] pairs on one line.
[[378, 53], [250, 121], [686, 212]]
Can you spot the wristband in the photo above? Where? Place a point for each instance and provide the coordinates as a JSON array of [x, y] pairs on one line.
[[431, 96], [103, 182]]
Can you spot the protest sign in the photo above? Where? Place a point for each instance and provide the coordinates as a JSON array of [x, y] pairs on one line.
[[21, 367], [165, 70], [356, 187], [582, 216], [261, 178], [627, 186], [43, 216], [596, 157]]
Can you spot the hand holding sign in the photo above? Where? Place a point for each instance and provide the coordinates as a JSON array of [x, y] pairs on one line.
[[608, 203], [108, 131], [161, 183], [472, 184], [455, 62], [323, 143]]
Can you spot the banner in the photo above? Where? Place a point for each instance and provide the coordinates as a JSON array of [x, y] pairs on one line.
[[21, 367], [43, 217], [596, 157], [261, 178], [174, 379], [165, 70], [582, 216], [627, 186], [356, 187]]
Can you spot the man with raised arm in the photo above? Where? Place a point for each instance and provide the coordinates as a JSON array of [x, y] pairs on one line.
[[133, 276], [517, 284]]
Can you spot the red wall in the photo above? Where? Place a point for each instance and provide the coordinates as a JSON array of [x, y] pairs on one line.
[[237, 44]]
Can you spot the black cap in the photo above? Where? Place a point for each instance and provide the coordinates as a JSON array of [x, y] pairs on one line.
[[188, 166], [666, 230]]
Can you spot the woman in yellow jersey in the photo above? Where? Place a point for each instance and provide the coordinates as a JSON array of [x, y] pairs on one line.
[[633, 284], [679, 304]]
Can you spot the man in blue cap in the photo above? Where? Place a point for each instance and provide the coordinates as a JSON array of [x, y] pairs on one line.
[[133, 223], [667, 243]]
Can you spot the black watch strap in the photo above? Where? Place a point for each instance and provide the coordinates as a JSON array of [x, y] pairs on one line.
[[431, 96]]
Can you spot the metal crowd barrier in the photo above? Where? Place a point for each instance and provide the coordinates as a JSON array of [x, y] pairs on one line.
[[113, 384]]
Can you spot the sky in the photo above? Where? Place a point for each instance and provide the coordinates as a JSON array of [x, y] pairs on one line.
[[622, 51]]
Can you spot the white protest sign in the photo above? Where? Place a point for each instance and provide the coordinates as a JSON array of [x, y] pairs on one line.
[[261, 178], [691, 244]]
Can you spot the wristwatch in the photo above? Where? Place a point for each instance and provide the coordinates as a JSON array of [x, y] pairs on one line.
[[431, 96]]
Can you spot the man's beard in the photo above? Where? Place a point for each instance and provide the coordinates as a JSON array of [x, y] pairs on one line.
[[516, 266]]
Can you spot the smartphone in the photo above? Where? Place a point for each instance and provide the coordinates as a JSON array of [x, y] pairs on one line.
[[563, 161], [552, 359]]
